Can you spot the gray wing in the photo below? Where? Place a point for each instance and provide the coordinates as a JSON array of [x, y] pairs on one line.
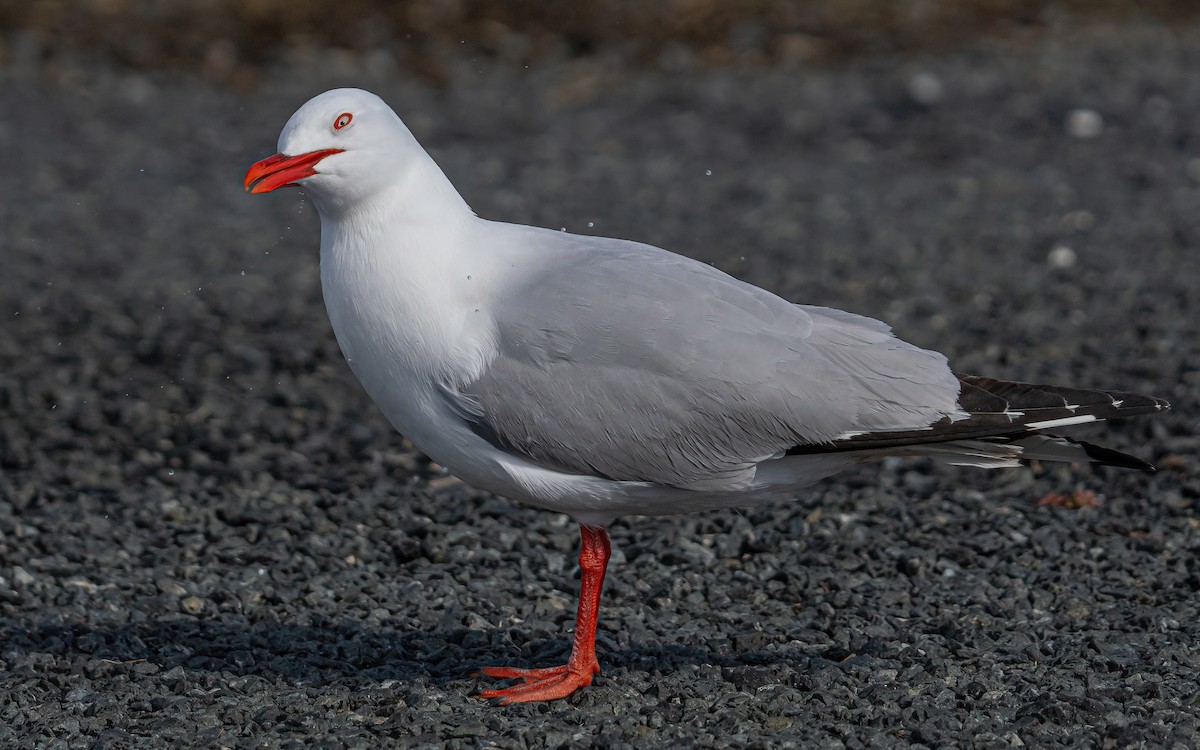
[[628, 362]]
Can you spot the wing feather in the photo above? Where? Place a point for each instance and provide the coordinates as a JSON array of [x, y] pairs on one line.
[[631, 363]]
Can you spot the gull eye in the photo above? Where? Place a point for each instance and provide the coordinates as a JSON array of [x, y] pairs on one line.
[[342, 120]]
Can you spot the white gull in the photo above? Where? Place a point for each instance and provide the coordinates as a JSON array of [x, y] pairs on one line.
[[601, 377]]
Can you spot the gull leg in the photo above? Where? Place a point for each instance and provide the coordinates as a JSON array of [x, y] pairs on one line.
[[551, 683]]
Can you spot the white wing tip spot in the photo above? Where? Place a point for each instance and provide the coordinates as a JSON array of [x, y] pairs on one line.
[[1080, 419]]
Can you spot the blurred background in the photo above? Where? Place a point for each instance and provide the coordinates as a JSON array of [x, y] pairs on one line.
[[231, 40]]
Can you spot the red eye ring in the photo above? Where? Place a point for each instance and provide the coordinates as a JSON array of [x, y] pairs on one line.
[[342, 120]]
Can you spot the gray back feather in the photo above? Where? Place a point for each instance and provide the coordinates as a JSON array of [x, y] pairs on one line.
[[631, 363]]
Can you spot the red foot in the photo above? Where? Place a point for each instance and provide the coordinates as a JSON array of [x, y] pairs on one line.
[[552, 683], [547, 684]]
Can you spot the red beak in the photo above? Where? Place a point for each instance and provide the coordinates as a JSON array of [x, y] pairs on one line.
[[283, 171]]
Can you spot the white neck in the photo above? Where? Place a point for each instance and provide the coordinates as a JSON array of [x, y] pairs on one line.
[[397, 274], [413, 192]]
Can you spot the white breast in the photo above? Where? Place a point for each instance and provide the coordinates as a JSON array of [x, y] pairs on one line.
[[408, 319]]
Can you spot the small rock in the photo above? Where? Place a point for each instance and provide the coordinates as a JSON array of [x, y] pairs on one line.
[[169, 586], [1084, 123], [925, 88], [1193, 169], [1061, 257], [748, 641], [22, 577]]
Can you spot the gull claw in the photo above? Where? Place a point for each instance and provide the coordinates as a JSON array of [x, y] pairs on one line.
[[544, 684]]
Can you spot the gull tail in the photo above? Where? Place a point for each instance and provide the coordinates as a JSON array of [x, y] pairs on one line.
[[1003, 423]]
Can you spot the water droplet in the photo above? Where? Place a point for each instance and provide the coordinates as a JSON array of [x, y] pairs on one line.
[[591, 224], [243, 273], [708, 173], [170, 472]]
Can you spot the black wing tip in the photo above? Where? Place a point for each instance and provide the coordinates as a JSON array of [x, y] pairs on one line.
[[1035, 402], [1010, 410], [1109, 457], [1136, 404]]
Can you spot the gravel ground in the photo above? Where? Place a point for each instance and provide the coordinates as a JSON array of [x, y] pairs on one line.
[[209, 537]]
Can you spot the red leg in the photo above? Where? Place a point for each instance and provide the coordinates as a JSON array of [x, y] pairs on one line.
[[550, 683]]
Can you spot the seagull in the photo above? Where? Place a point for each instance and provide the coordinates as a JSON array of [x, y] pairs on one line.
[[602, 377]]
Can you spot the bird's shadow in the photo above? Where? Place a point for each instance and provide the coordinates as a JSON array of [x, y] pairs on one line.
[[346, 652]]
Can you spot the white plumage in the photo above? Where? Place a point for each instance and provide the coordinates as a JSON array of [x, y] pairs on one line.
[[603, 377]]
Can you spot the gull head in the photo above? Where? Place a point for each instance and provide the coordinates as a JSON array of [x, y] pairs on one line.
[[341, 146]]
